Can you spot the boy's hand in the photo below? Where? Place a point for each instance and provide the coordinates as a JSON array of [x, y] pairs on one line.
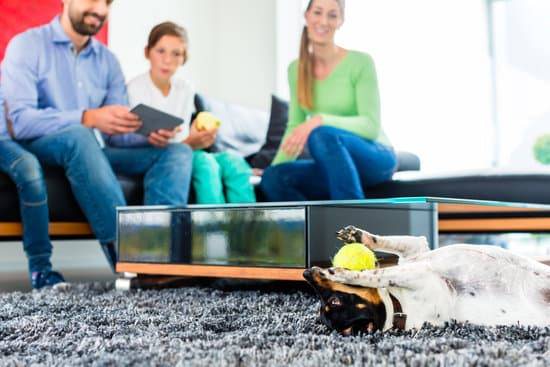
[[161, 138], [200, 139]]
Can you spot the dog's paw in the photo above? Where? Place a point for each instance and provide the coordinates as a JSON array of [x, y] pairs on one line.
[[350, 234], [341, 275]]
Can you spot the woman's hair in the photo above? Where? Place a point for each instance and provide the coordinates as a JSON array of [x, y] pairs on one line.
[[305, 65], [168, 29]]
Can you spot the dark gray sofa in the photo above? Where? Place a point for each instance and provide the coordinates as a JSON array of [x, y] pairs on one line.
[[63, 207], [529, 187], [490, 184]]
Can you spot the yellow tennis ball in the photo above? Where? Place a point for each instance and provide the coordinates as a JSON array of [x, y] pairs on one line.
[[207, 121], [355, 256]]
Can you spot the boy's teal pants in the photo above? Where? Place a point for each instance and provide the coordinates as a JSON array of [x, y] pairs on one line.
[[221, 178]]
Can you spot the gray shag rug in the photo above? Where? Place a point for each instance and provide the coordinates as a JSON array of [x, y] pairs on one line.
[[92, 324]]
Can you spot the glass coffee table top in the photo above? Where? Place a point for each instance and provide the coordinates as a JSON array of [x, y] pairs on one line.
[[295, 235], [365, 202]]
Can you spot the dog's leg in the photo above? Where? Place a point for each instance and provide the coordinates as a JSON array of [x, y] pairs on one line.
[[403, 246], [408, 276]]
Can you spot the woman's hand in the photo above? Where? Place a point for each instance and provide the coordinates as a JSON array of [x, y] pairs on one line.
[[294, 144], [200, 139]]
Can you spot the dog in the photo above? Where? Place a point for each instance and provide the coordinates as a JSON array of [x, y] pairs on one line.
[[483, 285]]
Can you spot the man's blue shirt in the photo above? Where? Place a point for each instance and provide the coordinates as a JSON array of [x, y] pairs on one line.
[[3, 126], [48, 86]]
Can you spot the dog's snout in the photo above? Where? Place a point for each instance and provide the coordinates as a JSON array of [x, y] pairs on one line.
[[308, 275]]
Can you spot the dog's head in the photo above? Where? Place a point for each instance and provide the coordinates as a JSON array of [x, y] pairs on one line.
[[347, 309]]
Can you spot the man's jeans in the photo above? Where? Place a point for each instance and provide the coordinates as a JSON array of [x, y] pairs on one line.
[[25, 171], [343, 164], [89, 169]]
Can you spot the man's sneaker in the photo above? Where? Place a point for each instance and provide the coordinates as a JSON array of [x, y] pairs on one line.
[[50, 278]]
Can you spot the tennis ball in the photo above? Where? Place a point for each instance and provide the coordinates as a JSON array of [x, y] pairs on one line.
[[355, 256], [207, 121]]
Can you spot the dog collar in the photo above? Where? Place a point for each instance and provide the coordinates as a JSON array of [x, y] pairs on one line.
[[399, 318]]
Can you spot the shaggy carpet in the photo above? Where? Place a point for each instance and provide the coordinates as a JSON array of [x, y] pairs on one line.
[[92, 324]]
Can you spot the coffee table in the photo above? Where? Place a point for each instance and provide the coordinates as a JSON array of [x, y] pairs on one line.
[[278, 241]]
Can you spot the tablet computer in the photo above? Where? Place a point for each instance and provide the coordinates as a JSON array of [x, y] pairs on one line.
[[153, 119]]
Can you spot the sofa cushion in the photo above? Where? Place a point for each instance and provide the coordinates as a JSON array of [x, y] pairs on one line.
[[492, 184], [242, 130], [407, 161], [278, 118], [63, 206], [497, 184]]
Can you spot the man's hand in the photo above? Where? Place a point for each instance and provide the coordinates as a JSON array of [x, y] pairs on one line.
[[161, 138], [200, 139], [112, 120], [294, 144]]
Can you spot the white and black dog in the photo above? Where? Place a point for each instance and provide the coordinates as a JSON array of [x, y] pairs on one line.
[[483, 285]]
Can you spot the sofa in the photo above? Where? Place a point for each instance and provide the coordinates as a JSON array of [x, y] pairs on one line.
[[256, 135]]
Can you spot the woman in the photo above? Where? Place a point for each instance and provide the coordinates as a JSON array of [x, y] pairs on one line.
[[335, 109], [167, 51]]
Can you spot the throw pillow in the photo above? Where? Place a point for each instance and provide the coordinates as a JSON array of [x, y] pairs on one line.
[[242, 130], [277, 125]]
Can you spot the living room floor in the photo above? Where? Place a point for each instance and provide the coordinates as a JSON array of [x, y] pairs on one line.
[[79, 261], [222, 325], [219, 323]]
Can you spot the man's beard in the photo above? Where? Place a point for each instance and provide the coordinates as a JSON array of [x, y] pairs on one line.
[[84, 29]]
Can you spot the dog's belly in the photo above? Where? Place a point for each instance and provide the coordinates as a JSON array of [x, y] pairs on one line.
[[482, 309], [494, 309], [481, 285]]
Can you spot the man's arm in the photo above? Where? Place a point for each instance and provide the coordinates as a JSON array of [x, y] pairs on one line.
[[118, 95], [3, 122], [20, 89]]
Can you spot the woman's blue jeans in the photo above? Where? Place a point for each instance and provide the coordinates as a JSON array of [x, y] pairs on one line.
[[342, 165], [24, 170]]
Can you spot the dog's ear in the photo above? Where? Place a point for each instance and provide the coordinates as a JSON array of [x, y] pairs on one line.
[[345, 308]]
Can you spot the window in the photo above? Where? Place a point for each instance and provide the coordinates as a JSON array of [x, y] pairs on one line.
[[520, 32], [434, 74]]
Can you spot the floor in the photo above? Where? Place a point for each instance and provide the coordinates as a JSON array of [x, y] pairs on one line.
[[79, 261], [91, 324]]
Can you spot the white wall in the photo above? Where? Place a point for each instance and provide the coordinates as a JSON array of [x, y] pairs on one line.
[[433, 69], [289, 25], [431, 55], [522, 52], [232, 44]]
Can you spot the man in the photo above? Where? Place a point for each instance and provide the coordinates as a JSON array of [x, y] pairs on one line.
[[25, 171], [67, 99]]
